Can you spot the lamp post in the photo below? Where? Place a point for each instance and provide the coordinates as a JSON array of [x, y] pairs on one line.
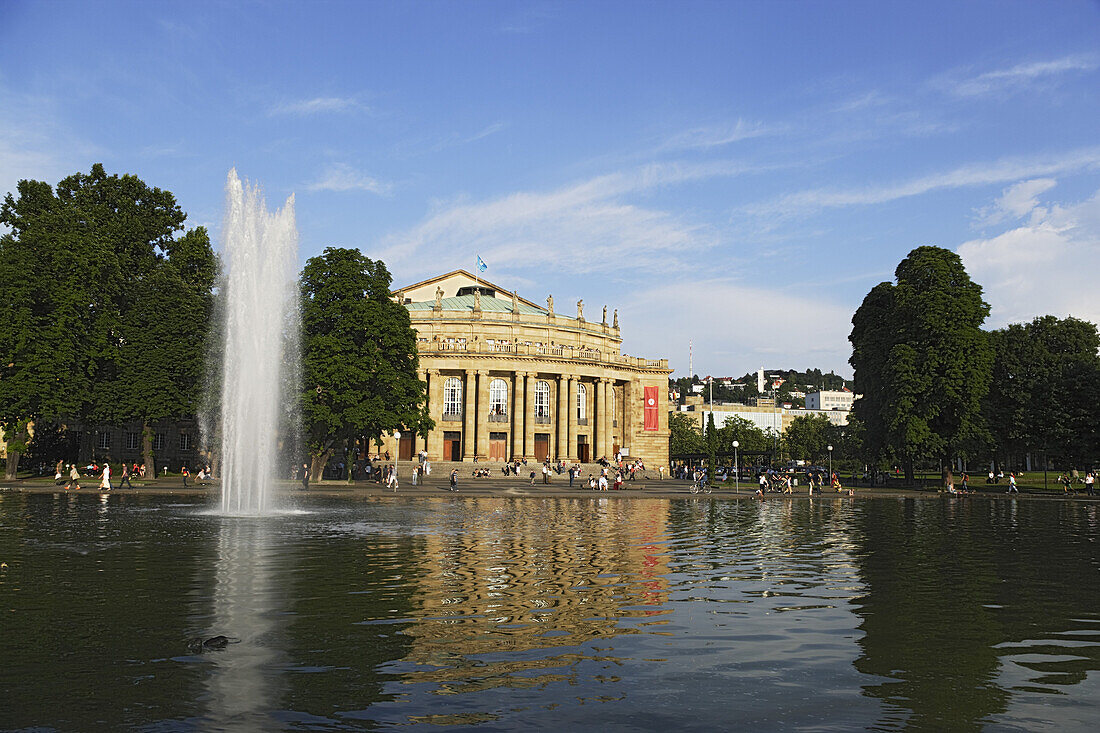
[[830, 448], [736, 469], [396, 449]]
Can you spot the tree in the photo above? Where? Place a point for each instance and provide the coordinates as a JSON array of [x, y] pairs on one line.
[[921, 360], [359, 356], [808, 437], [683, 435], [1045, 394], [74, 266], [711, 445]]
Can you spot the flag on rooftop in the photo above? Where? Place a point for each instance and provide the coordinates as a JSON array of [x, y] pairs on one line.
[[481, 266]]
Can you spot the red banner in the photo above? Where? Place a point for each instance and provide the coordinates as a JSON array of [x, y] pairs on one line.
[[652, 418]]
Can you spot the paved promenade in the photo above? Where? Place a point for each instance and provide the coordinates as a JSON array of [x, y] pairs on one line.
[[510, 486]]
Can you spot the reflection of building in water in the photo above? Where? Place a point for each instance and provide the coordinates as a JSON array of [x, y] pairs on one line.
[[525, 583]]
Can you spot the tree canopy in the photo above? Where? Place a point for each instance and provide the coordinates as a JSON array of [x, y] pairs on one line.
[[808, 437], [922, 363], [359, 355], [98, 290], [1045, 394]]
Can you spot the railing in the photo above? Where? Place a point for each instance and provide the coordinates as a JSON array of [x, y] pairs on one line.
[[542, 419], [497, 418], [574, 353], [452, 417], [582, 420]]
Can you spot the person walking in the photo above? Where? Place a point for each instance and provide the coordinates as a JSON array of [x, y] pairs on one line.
[[1012, 484], [125, 477], [305, 477], [454, 479], [393, 479], [74, 477], [105, 483]]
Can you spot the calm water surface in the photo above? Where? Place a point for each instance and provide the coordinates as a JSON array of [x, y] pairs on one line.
[[499, 613]]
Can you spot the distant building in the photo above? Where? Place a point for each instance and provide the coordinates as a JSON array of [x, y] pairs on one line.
[[830, 399]]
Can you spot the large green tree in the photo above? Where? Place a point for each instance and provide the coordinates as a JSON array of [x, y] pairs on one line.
[[359, 356], [1045, 395], [77, 267], [922, 362], [808, 437]]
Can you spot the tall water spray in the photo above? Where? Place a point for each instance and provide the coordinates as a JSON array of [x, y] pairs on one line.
[[261, 257]]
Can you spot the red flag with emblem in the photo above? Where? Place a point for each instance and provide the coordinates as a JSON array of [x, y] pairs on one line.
[[652, 419]]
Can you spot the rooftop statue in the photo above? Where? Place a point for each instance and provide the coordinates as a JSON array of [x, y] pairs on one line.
[[550, 304]]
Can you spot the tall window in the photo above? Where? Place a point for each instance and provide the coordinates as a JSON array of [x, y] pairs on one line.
[[498, 397], [542, 399], [452, 396], [104, 441], [158, 441], [582, 402], [133, 441], [185, 441], [611, 401]]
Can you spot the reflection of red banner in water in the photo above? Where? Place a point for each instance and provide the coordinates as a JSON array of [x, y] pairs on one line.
[[651, 416]]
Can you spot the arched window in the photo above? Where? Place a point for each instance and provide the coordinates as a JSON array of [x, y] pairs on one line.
[[542, 400], [498, 397], [582, 402], [452, 396]]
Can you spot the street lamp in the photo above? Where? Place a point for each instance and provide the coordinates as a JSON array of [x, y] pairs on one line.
[[397, 447], [830, 448], [736, 469]]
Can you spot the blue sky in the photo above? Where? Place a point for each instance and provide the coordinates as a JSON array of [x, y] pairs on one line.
[[736, 174]]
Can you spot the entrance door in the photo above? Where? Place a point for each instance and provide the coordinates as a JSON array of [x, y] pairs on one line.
[[452, 445], [582, 449], [614, 451], [542, 446], [405, 450], [498, 446]]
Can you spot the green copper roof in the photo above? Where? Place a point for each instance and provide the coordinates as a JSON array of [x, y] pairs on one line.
[[466, 303]]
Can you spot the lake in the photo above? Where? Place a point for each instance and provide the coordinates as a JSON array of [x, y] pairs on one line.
[[608, 614]]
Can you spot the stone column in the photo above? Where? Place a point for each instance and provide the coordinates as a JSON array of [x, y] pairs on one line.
[[469, 412], [629, 407], [518, 413], [482, 414], [529, 416], [421, 443], [571, 412], [607, 442], [435, 411], [562, 420], [596, 417]]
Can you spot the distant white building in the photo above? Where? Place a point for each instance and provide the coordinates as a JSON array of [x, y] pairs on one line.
[[830, 399]]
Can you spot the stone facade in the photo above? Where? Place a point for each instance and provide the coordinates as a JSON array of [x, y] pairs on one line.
[[511, 379]]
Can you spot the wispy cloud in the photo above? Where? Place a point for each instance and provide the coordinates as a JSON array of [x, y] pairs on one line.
[[1045, 266], [980, 174], [1015, 202], [342, 177], [1019, 76], [569, 228], [317, 105], [713, 136]]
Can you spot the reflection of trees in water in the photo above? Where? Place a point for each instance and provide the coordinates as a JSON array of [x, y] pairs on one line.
[[500, 599], [956, 588]]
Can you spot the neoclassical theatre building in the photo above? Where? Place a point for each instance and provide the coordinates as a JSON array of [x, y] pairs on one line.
[[511, 379]]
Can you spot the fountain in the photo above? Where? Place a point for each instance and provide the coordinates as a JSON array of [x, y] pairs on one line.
[[260, 252]]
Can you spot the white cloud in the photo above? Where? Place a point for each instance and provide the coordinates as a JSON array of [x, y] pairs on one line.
[[738, 326], [1015, 202], [1020, 76], [317, 105], [980, 174], [342, 177], [1046, 266], [568, 229]]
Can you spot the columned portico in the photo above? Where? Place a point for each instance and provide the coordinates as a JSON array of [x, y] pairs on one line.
[[496, 363]]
